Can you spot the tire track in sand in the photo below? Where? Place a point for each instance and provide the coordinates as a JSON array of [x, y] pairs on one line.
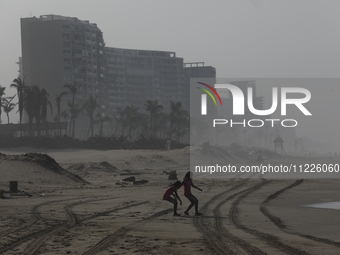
[[279, 223], [35, 216], [271, 240], [121, 232], [214, 240], [226, 235], [71, 222], [44, 234]]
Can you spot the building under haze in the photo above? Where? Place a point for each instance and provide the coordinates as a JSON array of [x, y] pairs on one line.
[[134, 76], [59, 50]]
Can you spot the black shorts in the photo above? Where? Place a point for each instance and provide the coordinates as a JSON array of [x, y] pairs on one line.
[[173, 200]]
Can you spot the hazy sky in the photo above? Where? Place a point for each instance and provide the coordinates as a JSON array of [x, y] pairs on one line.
[[241, 38]]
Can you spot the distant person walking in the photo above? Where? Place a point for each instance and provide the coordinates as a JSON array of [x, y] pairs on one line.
[[187, 182], [172, 191]]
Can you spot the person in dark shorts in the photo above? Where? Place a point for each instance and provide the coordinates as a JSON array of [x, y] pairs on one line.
[[187, 182], [171, 195]]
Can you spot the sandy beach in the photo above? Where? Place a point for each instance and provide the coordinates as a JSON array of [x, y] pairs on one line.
[[76, 202]]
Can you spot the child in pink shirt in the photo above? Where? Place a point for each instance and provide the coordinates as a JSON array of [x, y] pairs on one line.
[[172, 191]]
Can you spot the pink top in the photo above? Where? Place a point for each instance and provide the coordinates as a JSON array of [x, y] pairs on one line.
[[168, 192], [187, 187]]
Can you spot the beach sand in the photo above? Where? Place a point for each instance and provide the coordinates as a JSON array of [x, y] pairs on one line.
[[88, 209]]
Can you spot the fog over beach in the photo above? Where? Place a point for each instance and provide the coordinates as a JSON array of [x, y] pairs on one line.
[[121, 105]]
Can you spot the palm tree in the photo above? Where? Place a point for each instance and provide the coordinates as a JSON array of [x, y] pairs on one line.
[[44, 103], [179, 120], [35, 103], [142, 124], [58, 102], [160, 125], [183, 126], [127, 119], [75, 112], [32, 105], [117, 124], [19, 85], [90, 106], [2, 93], [73, 89], [101, 118], [74, 108], [154, 108], [120, 120], [8, 106], [174, 116], [64, 114]]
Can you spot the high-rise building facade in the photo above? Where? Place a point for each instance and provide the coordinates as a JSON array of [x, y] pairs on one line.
[[135, 76], [59, 50]]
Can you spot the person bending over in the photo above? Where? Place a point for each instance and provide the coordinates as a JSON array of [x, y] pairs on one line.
[[171, 195]]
